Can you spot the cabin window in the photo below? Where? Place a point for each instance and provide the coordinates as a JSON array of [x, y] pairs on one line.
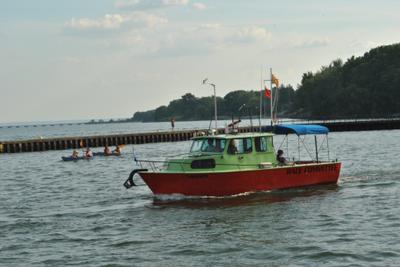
[[203, 164], [240, 145], [208, 145], [220, 144], [261, 143], [196, 146]]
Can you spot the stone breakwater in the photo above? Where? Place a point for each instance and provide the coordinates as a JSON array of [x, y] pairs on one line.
[[62, 143]]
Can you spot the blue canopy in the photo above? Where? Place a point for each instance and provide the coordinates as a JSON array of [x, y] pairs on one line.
[[300, 129]]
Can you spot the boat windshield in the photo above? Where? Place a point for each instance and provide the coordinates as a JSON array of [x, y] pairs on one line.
[[208, 145]]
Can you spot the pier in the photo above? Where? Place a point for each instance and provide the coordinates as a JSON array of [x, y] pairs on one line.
[[361, 125], [62, 143]]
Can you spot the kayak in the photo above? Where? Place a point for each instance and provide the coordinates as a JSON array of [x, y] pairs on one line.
[[70, 158], [104, 155]]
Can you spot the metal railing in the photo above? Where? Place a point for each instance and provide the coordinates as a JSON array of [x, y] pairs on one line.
[[160, 165]]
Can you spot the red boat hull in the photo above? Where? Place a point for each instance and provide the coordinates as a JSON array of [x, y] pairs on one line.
[[237, 182]]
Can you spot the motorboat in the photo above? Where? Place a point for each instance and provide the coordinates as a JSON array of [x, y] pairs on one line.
[[234, 163]]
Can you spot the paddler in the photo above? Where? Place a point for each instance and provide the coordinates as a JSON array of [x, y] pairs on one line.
[[117, 150], [75, 154], [88, 153], [107, 150]]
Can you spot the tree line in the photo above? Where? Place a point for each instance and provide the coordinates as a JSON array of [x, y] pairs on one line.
[[362, 87], [238, 103]]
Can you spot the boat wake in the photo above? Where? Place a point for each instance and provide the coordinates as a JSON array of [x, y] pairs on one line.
[[174, 197], [243, 199]]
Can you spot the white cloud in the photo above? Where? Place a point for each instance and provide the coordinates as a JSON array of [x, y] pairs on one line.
[[147, 34], [115, 21], [149, 4], [311, 43], [175, 2], [151, 21], [126, 3], [199, 6], [251, 34], [107, 22], [207, 38]]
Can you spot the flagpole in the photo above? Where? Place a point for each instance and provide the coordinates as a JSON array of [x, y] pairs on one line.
[[215, 108], [215, 102], [271, 107], [276, 100], [261, 94]]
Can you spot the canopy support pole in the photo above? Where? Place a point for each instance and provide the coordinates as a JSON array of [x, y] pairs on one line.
[[298, 146], [327, 145], [306, 148], [316, 148], [287, 146], [261, 100]]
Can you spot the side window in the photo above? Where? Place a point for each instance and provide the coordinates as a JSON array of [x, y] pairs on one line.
[[208, 145], [261, 144], [247, 145], [196, 146], [220, 145], [238, 146], [213, 145]]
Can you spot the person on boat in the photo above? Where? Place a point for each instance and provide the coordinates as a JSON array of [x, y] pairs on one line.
[[219, 147], [88, 153], [117, 150], [210, 146], [232, 149], [75, 154], [280, 158], [107, 150]]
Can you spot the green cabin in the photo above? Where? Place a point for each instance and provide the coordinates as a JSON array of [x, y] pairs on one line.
[[227, 152]]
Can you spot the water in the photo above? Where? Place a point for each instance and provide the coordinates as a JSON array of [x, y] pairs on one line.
[[55, 213]]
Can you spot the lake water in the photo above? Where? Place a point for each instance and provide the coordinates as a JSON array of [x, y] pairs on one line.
[[55, 213]]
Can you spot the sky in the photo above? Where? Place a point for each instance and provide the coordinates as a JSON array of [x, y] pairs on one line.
[[96, 59]]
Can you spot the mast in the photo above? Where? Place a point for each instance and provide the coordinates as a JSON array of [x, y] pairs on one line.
[[215, 107], [261, 95], [272, 96], [205, 81]]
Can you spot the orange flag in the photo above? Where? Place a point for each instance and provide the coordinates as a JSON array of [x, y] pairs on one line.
[[274, 80]]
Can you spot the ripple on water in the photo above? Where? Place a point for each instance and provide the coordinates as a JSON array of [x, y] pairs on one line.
[[78, 213]]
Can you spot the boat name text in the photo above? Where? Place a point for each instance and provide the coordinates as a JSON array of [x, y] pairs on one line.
[[312, 169]]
